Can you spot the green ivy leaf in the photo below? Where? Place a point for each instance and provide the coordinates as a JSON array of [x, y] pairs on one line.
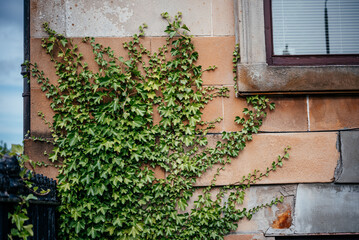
[[185, 27], [16, 149], [63, 42]]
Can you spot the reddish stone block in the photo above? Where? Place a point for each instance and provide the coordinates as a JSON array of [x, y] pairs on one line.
[[233, 107], [39, 56], [39, 103], [216, 51], [334, 112], [35, 151], [212, 111], [212, 51], [159, 42], [290, 113]]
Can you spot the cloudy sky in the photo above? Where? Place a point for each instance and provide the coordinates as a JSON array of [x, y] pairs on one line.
[[11, 57]]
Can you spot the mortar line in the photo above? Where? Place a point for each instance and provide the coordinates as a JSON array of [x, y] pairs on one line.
[[308, 115]]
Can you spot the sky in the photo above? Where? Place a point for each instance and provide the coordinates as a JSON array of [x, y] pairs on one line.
[[11, 83]]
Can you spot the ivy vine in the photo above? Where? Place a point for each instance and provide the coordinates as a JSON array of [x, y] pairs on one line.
[[107, 145]]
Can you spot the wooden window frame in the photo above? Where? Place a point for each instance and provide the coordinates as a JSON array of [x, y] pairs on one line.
[[299, 60]]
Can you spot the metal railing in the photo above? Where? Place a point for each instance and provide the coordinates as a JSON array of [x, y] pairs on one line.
[[42, 211]]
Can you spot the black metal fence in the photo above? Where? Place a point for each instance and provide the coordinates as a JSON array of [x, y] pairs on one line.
[[42, 212]]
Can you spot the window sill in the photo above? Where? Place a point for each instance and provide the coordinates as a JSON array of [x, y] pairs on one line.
[[270, 79]]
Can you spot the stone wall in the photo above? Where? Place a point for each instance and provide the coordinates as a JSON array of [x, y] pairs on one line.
[[320, 128]]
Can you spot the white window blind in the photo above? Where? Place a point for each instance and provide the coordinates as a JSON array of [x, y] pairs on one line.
[[315, 27]]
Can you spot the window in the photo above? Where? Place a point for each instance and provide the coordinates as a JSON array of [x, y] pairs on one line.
[[307, 32], [298, 46]]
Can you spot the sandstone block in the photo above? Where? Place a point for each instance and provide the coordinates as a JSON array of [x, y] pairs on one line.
[[290, 113], [334, 112], [313, 158], [216, 51], [39, 103], [35, 151], [212, 111]]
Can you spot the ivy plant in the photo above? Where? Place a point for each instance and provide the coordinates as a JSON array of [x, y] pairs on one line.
[[107, 144]]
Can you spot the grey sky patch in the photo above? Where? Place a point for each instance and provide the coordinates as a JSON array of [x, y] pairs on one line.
[[11, 57], [11, 12], [10, 73]]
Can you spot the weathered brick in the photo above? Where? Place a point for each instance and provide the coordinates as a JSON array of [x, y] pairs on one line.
[[223, 17], [313, 158], [334, 112], [158, 172], [39, 56], [156, 116]]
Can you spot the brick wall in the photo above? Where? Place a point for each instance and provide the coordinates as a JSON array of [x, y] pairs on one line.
[[323, 150]]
